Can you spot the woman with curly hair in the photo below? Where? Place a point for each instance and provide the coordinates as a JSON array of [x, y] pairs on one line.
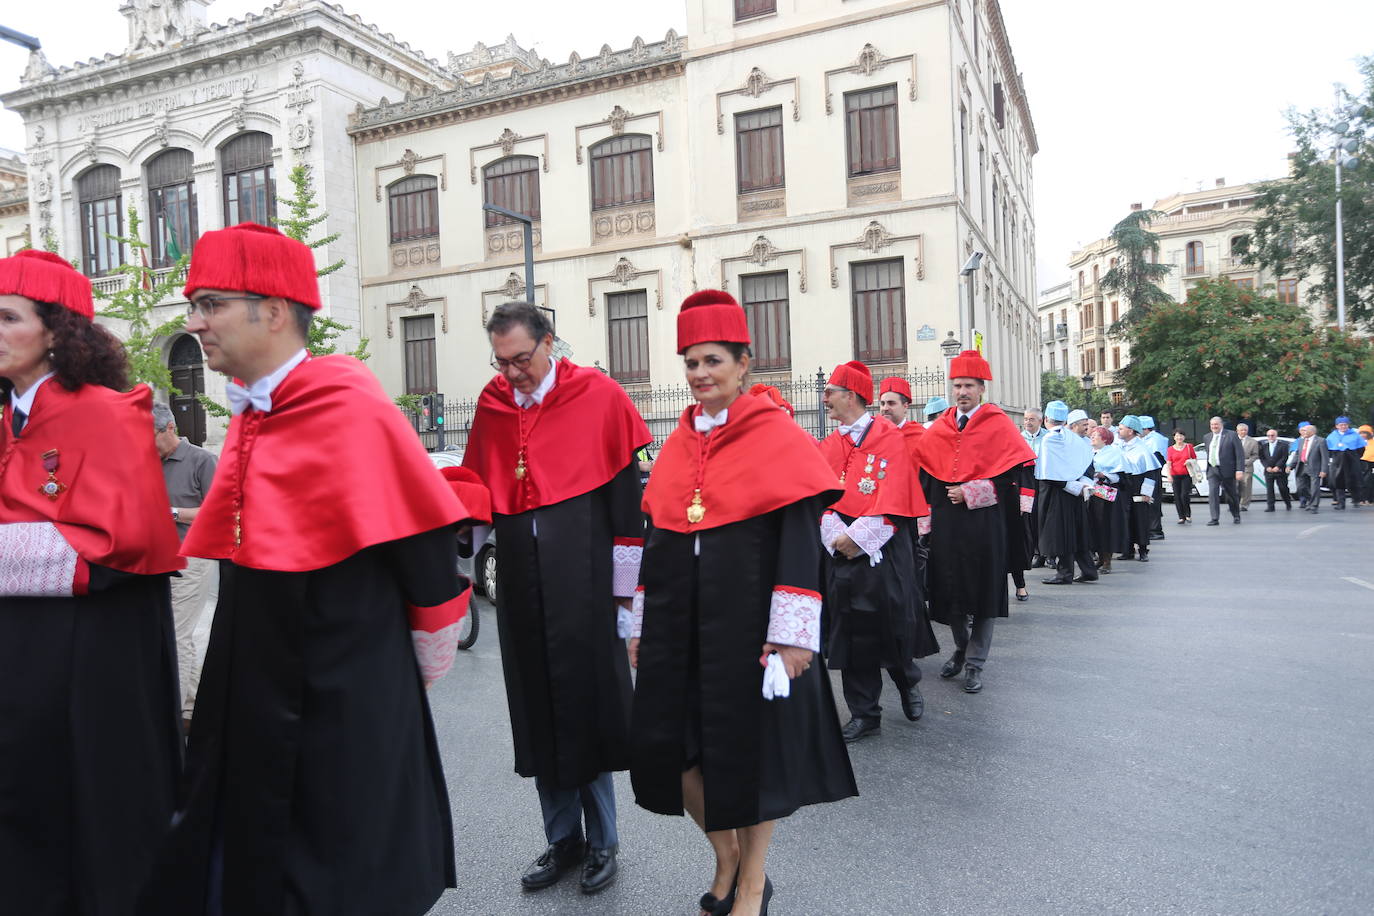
[[89, 748]]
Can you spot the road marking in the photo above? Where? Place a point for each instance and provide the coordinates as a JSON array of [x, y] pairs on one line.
[[1311, 531], [1368, 585]]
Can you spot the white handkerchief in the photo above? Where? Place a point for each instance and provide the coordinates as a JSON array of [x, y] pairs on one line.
[[1147, 487], [624, 623], [776, 683]]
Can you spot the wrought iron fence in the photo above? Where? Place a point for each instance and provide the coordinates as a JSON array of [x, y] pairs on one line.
[[662, 406]]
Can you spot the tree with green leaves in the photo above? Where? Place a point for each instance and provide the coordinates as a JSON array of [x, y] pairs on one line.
[[1137, 273], [1236, 353], [1296, 232], [134, 301], [1066, 388], [324, 331]]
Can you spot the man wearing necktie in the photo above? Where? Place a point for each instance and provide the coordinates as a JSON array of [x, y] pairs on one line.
[[1225, 470], [1274, 457], [339, 603], [1311, 462]]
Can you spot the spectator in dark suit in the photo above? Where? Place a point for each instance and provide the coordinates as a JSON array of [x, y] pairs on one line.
[[1310, 459], [1225, 469], [1273, 454]]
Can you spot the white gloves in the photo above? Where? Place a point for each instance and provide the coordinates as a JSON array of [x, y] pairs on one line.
[[776, 683]]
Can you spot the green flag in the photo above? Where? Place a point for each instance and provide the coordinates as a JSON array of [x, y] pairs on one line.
[[173, 249]]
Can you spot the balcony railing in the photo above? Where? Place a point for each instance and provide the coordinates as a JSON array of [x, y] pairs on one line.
[[113, 283], [1194, 270], [1237, 266], [1090, 290], [1047, 335], [1061, 331]]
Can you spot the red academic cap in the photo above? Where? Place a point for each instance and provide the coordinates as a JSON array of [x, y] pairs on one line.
[[45, 277], [255, 259], [774, 395], [899, 385], [471, 492], [854, 376], [709, 316], [970, 364]]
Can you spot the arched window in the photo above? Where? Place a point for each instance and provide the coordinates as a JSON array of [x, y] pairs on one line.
[[97, 191], [1096, 276], [250, 190], [512, 183], [414, 207], [1238, 245], [188, 376], [1194, 257], [622, 171], [171, 205]]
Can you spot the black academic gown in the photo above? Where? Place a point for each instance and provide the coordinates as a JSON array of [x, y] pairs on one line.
[[89, 745], [313, 764], [1107, 520], [698, 698], [567, 676], [876, 614], [1139, 516], [1063, 519], [973, 550]]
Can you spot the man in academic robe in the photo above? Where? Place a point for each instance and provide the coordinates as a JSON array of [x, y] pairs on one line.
[[1344, 446], [1159, 444], [976, 473], [314, 783], [556, 444], [1273, 454], [1140, 486], [1311, 464], [1062, 467], [874, 599]]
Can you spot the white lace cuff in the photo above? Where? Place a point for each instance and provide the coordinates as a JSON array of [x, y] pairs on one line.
[[831, 529], [434, 634], [923, 525], [36, 561], [626, 554], [637, 614], [871, 532], [794, 618]]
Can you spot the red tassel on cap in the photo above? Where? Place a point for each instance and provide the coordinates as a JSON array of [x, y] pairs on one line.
[[855, 377], [711, 316], [254, 259], [45, 277], [970, 364]]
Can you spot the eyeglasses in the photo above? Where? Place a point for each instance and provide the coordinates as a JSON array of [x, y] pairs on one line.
[[521, 362], [205, 306]]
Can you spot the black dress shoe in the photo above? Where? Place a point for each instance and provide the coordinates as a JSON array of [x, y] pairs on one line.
[[1092, 578], [1020, 597], [973, 680], [861, 728], [551, 864], [1037, 561], [1288, 506], [913, 704], [1270, 509], [1058, 580], [767, 895], [952, 666], [598, 870], [1213, 522], [1143, 558], [723, 906], [1235, 520]]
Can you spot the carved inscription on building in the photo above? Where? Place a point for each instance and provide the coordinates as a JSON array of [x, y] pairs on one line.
[[182, 98]]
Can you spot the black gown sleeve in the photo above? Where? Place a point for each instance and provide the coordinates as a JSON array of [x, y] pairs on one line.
[[426, 565]]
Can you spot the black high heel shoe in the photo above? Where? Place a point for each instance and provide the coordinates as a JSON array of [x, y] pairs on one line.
[[1021, 597], [709, 903], [767, 895]]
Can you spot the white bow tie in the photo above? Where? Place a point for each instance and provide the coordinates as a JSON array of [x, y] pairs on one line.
[[704, 423], [241, 398], [857, 427]]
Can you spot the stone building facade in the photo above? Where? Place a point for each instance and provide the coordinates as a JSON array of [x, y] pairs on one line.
[[197, 126], [1200, 235], [832, 163], [14, 202]]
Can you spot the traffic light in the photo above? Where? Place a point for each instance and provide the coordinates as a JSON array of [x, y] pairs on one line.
[[426, 411], [437, 411]]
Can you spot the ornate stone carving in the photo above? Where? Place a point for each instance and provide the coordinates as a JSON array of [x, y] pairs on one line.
[[870, 60], [408, 160], [868, 190], [91, 148], [765, 204], [623, 222], [160, 131], [38, 68], [238, 110], [414, 255], [42, 187], [415, 298], [617, 119], [301, 131], [624, 272], [638, 50], [762, 251], [507, 141], [756, 83], [514, 288]]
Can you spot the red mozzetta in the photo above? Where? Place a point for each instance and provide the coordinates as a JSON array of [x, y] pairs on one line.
[[759, 461], [334, 468], [989, 445], [583, 434], [112, 503], [878, 474]]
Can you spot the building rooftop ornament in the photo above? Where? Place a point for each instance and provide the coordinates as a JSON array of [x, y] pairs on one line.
[[502, 60], [157, 23]]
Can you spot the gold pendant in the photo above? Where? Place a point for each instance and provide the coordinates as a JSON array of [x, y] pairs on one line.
[[238, 528], [842, 476], [520, 470], [696, 511]]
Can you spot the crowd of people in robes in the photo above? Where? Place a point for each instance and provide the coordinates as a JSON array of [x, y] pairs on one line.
[[682, 629]]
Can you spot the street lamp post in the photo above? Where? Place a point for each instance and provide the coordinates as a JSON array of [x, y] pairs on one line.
[[949, 348], [966, 327], [528, 224], [1345, 146]]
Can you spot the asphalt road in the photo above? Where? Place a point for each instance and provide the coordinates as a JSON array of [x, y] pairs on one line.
[[1192, 735]]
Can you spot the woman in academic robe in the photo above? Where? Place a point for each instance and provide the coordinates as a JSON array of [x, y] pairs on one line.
[[89, 742], [728, 613], [1107, 517]]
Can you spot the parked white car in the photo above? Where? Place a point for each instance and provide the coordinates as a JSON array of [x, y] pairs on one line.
[[1201, 490]]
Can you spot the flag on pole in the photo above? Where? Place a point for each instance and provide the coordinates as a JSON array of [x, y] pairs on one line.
[[173, 249]]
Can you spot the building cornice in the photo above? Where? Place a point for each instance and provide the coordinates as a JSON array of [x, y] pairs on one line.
[[239, 44], [608, 70], [1015, 87]]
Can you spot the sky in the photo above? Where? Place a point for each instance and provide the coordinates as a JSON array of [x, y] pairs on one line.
[[1132, 102]]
